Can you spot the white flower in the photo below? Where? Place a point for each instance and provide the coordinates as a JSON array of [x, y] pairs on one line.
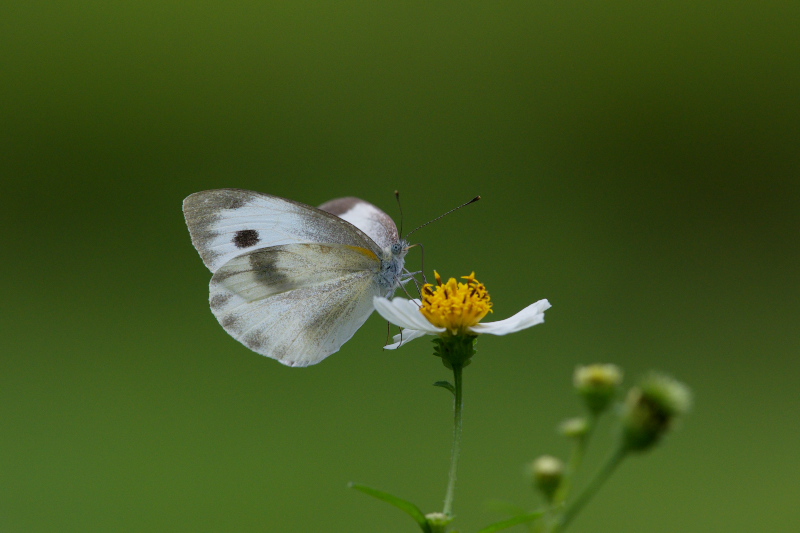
[[455, 309]]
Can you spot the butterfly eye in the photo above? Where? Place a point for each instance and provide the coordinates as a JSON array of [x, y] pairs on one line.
[[397, 248]]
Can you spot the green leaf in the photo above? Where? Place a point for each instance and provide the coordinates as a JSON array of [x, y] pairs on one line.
[[511, 522], [409, 508], [446, 385]]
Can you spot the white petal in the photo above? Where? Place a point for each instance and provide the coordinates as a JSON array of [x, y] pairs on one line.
[[404, 313], [407, 336], [530, 316]]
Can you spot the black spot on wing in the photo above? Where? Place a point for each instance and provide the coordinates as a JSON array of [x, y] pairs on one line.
[[266, 265], [245, 238], [230, 323], [255, 340], [220, 299], [203, 210]]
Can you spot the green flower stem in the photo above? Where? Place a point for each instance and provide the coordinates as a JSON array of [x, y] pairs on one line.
[[591, 489], [552, 518], [575, 460], [457, 408]]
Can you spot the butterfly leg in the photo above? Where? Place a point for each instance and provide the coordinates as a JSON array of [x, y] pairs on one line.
[[409, 276]]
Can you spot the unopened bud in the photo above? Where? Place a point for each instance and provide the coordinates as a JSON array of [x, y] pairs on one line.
[[598, 385], [438, 522], [651, 408], [574, 428], [546, 473]]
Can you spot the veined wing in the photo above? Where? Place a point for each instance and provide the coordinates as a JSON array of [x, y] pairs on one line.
[[296, 303], [378, 225], [225, 223]]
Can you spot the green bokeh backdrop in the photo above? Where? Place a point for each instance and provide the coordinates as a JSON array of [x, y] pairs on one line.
[[639, 166]]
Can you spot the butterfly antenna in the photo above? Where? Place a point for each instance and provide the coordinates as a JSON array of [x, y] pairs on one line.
[[444, 215], [397, 196]]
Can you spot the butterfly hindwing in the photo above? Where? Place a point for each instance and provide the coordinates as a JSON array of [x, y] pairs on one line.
[[225, 223], [378, 225], [295, 303]]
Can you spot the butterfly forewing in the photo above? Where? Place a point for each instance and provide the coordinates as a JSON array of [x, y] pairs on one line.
[[225, 223]]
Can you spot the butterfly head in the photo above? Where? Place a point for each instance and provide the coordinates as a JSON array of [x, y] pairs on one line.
[[400, 248]]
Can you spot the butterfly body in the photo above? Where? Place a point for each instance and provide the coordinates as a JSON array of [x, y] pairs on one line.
[[379, 226], [291, 281]]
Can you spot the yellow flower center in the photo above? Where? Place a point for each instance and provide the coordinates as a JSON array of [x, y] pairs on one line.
[[455, 306]]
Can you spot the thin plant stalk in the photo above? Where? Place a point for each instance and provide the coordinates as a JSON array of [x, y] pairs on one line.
[[575, 460], [456, 451], [591, 489], [551, 521]]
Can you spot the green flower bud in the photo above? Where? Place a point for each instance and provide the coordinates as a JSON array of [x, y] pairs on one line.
[[438, 522], [650, 409], [574, 428], [597, 384], [546, 473]]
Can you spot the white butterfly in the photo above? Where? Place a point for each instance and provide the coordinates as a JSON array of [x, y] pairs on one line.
[[291, 281]]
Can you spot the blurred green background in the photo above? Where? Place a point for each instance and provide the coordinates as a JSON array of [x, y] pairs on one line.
[[639, 167]]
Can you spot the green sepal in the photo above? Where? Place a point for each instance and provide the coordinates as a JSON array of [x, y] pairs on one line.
[[409, 508], [455, 350], [438, 522], [446, 385], [511, 522]]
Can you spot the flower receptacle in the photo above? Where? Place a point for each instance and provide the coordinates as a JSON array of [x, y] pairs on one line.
[[438, 522], [455, 350]]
